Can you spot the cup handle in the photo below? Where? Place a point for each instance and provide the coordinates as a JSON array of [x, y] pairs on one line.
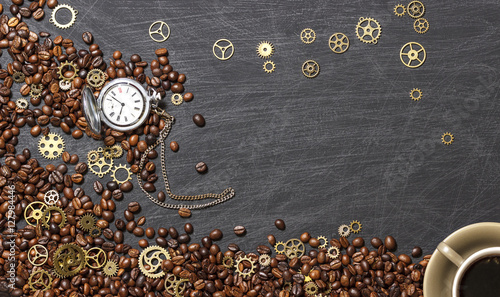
[[449, 253]]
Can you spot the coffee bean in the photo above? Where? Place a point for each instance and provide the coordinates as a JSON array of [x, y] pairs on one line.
[[174, 146], [416, 252], [390, 243], [271, 239], [138, 231], [65, 155], [239, 230], [280, 224], [188, 97], [358, 242], [199, 120], [141, 221], [126, 186], [216, 234], [376, 242], [188, 228], [134, 207], [87, 37], [201, 167], [81, 168], [98, 188], [184, 212]]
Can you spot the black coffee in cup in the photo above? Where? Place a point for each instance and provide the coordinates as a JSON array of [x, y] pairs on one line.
[[482, 279]]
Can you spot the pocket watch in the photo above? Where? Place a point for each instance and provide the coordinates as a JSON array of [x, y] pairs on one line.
[[123, 105]]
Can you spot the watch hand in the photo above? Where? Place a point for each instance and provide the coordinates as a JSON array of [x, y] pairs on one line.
[[116, 99]]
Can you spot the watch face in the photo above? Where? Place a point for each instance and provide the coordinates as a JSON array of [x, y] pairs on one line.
[[123, 104]]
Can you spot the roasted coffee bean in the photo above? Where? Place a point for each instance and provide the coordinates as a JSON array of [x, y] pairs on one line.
[[390, 243], [188, 97], [416, 252], [188, 228], [126, 186], [184, 212], [201, 167], [280, 224], [376, 242], [216, 234], [239, 230], [174, 146], [134, 207], [87, 37], [81, 168], [98, 188], [199, 120]]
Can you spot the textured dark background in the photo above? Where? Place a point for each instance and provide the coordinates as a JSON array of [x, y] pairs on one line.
[[349, 144]]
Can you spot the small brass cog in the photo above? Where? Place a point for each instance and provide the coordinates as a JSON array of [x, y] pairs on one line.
[[64, 85], [416, 94], [96, 78], [170, 281], [294, 248], [180, 286], [412, 52], [269, 66], [92, 156], [95, 232], [447, 138], [344, 230], [308, 36], [38, 255], [150, 261], [51, 197], [95, 258], [68, 260], [47, 213], [40, 280], [240, 269], [327, 291], [415, 9], [54, 21], [368, 30], [355, 226], [87, 222], [323, 239], [310, 69], [264, 260], [122, 167], [339, 43], [22, 103], [287, 286], [333, 252], [399, 10], [265, 49], [228, 262], [421, 26], [97, 167], [18, 77], [36, 90], [280, 247], [51, 146], [311, 288], [110, 268], [33, 213], [177, 99], [72, 67], [114, 152]]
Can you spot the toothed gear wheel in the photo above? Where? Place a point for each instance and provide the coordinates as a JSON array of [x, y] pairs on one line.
[[96, 78], [95, 258], [269, 66], [344, 230], [249, 270], [152, 257], [415, 9], [64, 85], [122, 167], [264, 260], [339, 43], [51, 197], [447, 138], [51, 146], [92, 156], [72, 67], [328, 289], [280, 247], [22, 103], [325, 241], [368, 30], [294, 248], [95, 232], [310, 69], [311, 288], [416, 94], [265, 49], [54, 21], [228, 262], [47, 214], [40, 280], [68, 260], [114, 151], [41, 255], [180, 286], [421, 26], [36, 90], [18, 77], [287, 286], [101, 167], [399, 10], [33, 213], [177, 99], [308, 36], [110, 269], [333, 252], [170, 281], [355, 227], [87, 222]]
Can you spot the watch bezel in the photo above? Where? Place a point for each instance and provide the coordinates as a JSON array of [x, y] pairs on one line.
[[91, 111]]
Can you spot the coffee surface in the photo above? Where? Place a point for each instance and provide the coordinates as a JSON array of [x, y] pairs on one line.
[[482, 279]]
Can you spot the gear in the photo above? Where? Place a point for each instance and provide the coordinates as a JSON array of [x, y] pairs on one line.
[[308, 36], [47, 214], [33, 213], [355, 226], [328, 289], [180, 286], [98, 165], [416, 9], [123, 167], [110, 269], [416, 94], [114, 152], [421, 26], [368, 30], [311, 288], [96, 78], [338, 43], [87, 222], [228, 262], [269, 66], [36, 90], [22, 103], [38, 255], [68, 260], [18, 77], [264, 260], [64, 85], [51, 146], [72, 66], [333, 252], [265, 49], [280, 247], [399, 10], [40, 280], [344, 230], [150, 261], [413, 51], [447, 138], [170, 282], [287, 286], [325, 241], [240, 269], [310, 69], [95, 232], [95, 258], [51, 197], [294, 248], [177, 99], [54, 21]]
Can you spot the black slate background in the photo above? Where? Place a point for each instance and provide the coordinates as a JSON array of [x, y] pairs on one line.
[[349, 144]]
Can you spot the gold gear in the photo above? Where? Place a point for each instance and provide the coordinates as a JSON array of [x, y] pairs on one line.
[[310, 69], [448, 136], [123, 167], [64, 85], [40, 280], [421, 26], [266, 66], [170, 282], [311, 288], [95, 232], [36, 90], [264, 260], [416, 9], [280, 247], [41, 254], [338, 43], [95, 258], [46, 216], [114, 152], [33, 213], [416, 94], [18, 77], [329, 288], [96, 78], [51, 197], [344, 230], [92, 157], [308, 36], [177, 99], [180, 286], [61, 73], [68, 260], [413, 54], [87, 222], [265, 49], [370, 34], [399, 7], [325, 241], [101, 163], [153, 261], [249, 271], [294, 248], [354, 224], [333, 252], [22, 103], [307, 278], [228, 262], [287, 286], [51, 146], [110, 268], [223, 49], [54, 21]]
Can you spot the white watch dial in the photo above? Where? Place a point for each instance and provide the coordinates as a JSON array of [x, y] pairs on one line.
[[123, 104]]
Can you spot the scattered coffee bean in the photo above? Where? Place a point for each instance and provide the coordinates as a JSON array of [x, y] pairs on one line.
[[239, 230], [280, 224], [184, 212], [201, 167], [199, 120]]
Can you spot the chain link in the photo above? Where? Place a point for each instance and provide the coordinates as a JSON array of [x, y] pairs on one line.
[[219, 198]]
